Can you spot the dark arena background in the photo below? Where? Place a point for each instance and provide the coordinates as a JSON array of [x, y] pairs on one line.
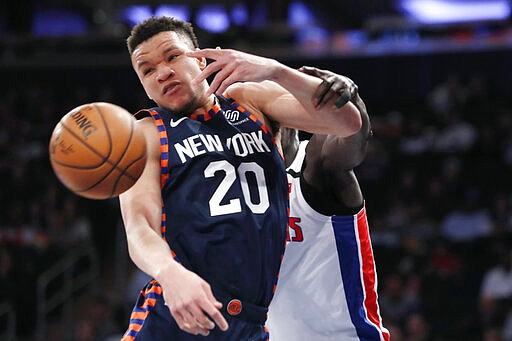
[[435, 76]]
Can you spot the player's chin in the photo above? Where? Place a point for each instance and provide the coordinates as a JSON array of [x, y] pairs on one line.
[[172, 106], [176, 103]]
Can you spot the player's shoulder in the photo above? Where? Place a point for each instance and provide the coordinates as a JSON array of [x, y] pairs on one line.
[[253, 97], [143, 113]]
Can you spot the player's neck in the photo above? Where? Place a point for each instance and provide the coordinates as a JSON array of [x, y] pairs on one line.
[[209, 102]]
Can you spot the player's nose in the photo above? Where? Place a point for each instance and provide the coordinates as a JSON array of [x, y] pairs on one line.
[[163, 72]]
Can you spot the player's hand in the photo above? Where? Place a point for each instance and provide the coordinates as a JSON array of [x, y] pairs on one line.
[[232, 66], [191, 302], [333, 86]]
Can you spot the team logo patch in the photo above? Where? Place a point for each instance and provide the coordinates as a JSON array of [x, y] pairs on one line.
[[234, 307], [235, 117], [232, 115]]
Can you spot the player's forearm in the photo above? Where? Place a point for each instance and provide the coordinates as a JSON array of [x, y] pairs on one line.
[[328, 119], [149, 251], [352, 148]]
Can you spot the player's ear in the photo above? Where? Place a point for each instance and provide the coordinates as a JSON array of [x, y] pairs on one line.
[[202, 62]]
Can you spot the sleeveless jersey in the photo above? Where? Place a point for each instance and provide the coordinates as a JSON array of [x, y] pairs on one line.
[[225, 202], [327, 288]]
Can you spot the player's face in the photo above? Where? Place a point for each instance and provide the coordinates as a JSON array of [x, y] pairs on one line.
[[166, 73]]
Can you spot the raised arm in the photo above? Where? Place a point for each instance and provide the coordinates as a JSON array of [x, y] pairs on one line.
[[277, 92], [338, 153], [330, 183]]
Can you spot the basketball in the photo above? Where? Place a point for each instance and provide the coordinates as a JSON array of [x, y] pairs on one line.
[[97, 150]]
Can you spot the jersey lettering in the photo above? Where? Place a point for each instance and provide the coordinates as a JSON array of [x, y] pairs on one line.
[[242, 144], [196, 144], [295, 233]]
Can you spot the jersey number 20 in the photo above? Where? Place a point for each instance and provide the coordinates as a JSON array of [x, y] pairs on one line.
[[231, 175]]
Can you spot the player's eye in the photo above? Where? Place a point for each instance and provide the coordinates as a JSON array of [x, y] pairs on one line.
[[171, 57], [146, 72]]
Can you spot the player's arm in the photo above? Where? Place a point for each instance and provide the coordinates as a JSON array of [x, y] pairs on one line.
[[352, 148], [330, 159], [188, 297], [279, 92]]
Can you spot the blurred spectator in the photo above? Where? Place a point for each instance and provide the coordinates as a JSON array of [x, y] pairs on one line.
[[421, 230], [70, 227], [506, 331], [496, 290], [396, 303], [416, 328], [443, 262], [447, 96], [493, 334], [501, 214], [7, 276], [97, 323], [419, 138], [394, 331], [457, 135], [467, 222]]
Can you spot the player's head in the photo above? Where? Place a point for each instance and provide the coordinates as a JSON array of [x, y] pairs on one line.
[[155, 25], [157, 48]]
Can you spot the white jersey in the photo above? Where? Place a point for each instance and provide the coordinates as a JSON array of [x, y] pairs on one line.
[[327, 287]]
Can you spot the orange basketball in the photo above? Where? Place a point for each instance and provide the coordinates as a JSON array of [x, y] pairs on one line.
[[97, 150]]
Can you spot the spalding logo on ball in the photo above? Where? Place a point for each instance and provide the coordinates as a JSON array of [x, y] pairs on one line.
[[97, 150]]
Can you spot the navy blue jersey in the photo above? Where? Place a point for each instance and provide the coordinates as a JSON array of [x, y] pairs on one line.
[[225, 198]]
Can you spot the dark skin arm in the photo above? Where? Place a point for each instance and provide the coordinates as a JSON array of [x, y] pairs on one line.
[[328, 181]]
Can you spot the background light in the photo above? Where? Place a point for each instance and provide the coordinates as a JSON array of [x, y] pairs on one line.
[[300, 15], [58, 22], [212, 18], [453, 11], [181, 12], [137, 13], [239, 14]]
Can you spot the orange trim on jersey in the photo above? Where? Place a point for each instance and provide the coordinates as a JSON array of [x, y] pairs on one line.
[[138, 315], [141, 312], [214, 110], [164, 147], [255, 119], [163, 226]]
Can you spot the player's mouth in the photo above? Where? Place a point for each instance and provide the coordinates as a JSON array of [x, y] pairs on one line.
[[170, 88]]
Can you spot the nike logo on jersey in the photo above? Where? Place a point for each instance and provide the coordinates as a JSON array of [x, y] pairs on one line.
[[174, 123]]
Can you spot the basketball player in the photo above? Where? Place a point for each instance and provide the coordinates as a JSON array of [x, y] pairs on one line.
[[207, 219], [327, 282]]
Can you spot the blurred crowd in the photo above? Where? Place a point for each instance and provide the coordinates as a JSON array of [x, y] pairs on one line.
[[438, 195], [439, 200]]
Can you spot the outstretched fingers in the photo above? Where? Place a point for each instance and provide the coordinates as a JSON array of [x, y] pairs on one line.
[[310, 71], [222, 80], [333, 87]]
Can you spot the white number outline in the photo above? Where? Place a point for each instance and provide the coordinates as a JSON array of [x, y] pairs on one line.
[[230, 177]]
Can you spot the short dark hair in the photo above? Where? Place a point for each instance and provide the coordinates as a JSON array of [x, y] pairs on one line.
[[154, 25]]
